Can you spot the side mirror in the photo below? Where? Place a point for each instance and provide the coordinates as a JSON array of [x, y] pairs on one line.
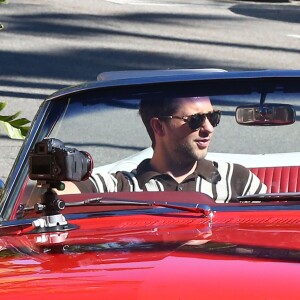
[[265, 115]]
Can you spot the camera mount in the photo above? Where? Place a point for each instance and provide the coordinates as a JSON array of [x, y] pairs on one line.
[[51, 205], [51, 163]]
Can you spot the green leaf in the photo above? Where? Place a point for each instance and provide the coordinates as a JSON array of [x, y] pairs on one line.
[[24, 130], [9, 118], [2, 105], [20, 122], [12, 132], [13, 126]]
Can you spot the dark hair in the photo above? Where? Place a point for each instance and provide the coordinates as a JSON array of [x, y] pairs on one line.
[[151, 108]]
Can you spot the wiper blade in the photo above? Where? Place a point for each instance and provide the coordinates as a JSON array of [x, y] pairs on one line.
[[197, 208], [270, 197], [203, 209]]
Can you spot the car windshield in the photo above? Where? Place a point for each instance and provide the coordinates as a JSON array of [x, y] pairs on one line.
[[106, 124]]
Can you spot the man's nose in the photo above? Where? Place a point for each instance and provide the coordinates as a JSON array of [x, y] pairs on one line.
[[207, 127]]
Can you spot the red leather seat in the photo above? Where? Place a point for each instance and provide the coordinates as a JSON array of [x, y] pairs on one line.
[[279, 179]]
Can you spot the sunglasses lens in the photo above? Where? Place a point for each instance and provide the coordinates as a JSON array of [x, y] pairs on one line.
[[214, 118], [196, 121]]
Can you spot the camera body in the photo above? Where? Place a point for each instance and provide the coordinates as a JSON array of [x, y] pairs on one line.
[[52, 161]]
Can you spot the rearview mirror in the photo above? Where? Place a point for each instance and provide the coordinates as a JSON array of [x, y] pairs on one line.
[[266, 114]]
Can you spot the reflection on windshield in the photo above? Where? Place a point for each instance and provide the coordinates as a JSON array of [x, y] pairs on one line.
[[107, 132]]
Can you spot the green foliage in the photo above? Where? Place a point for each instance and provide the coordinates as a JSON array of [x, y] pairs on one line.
[[14, 126]]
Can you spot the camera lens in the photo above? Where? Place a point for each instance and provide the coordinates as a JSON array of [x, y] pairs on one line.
[[88, 165]]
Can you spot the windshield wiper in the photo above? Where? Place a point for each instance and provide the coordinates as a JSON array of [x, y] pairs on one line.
[[203, 209], [270, 197], [198, 208]]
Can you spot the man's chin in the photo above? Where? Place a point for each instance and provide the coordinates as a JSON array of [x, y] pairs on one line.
[[193, 154], [200, 154]]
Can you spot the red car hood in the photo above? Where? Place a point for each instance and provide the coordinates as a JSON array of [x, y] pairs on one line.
[[240, 255]]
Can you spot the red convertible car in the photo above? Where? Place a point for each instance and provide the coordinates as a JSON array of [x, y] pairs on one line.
[[58, 243]]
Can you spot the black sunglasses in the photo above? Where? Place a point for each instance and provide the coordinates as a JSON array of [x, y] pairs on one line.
[[197, 120]]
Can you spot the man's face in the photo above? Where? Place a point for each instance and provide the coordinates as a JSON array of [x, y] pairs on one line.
[[181, 142]]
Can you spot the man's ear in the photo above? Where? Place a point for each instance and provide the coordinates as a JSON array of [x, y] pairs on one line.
[[157, 127]]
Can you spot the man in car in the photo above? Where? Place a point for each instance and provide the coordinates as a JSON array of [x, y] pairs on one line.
[[180, 130]]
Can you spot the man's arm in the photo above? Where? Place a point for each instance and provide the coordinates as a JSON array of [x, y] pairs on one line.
[[99, 183]]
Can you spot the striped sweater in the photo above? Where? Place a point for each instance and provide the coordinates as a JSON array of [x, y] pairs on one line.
[[222, 181]]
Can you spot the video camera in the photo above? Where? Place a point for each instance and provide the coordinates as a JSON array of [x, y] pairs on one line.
[[51, 161]]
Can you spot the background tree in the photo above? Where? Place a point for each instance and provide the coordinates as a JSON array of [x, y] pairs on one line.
[[13, 126]]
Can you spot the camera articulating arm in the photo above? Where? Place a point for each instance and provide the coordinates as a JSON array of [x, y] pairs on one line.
[[51, 205]]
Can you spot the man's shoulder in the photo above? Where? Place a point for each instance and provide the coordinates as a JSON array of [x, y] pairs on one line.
[[222, 164], [224, 167]]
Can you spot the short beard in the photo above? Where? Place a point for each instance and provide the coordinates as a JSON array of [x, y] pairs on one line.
[[188, 154]]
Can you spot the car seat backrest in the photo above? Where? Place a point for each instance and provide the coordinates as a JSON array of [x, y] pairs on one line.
[[279, 179]]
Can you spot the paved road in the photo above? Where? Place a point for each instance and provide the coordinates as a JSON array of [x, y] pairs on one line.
[[48, 45]]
